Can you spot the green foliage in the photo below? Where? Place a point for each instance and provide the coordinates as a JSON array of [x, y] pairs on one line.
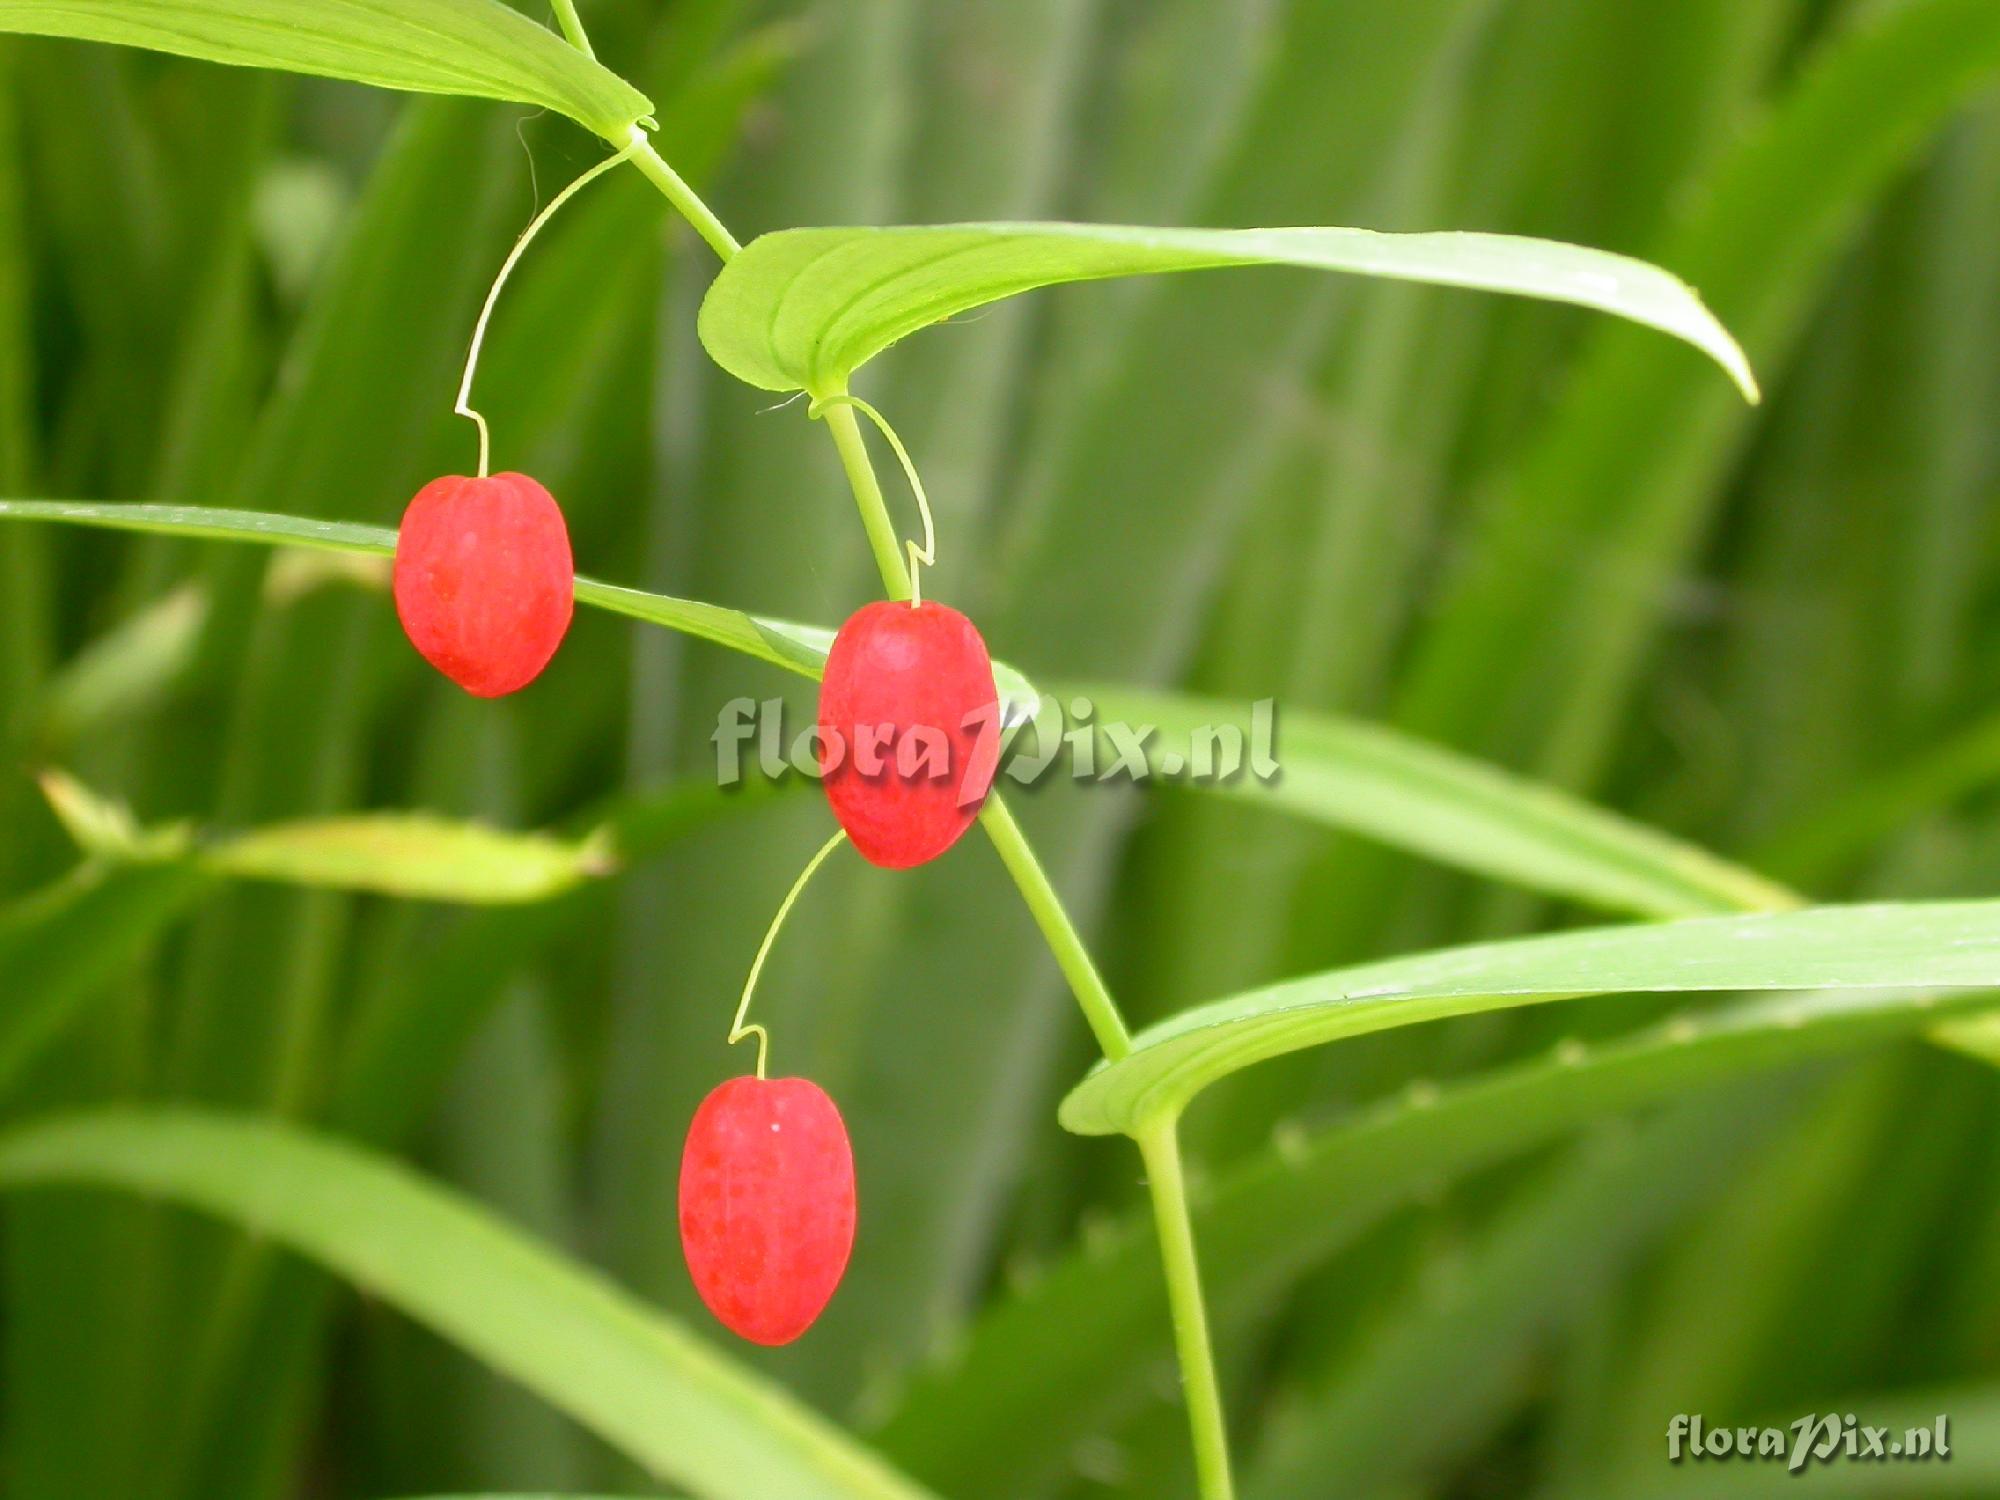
[[635, 1377], [1412, 795], [798, 648], [415, 855], [477, 47], [1548, 613], [803, 309], [1934, 944], [61, 945], [412, 855], [1067, 1354]]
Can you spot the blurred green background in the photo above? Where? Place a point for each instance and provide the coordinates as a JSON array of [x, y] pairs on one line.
[[1507, 527]]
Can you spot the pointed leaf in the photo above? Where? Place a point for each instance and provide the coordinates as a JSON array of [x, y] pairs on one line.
[[1939, 944], [409, 854], [412, 855], [1414, 795], [477, 47], [1068, 1355], [802, 309]]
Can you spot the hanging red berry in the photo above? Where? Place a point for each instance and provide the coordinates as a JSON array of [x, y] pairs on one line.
[[909, 730], [767, 1205], [485, 584]]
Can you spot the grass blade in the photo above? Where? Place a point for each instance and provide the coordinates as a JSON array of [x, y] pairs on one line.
[[688, 1414], [1420, 797], [1469, 1352], [1632, 466], [1069, 1353]]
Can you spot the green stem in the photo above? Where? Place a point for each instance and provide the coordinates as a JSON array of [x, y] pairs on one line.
[[684, 198], [1099, 1009], [572, 27], [1160, 1145], [882, 537]]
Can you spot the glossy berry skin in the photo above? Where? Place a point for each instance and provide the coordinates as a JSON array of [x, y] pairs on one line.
[[767, 1205], [485, 584], [920, 674]]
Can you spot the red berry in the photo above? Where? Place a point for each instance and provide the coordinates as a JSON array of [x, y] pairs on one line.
[[909, 730], [484, 580], [767, 1205]]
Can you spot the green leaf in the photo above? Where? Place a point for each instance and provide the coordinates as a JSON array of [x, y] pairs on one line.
[[1572, 1233], [1068, 1353], [1533, 652], [477, 47], [207, 522], [637, 1379], [413, 855], [1917, 945], [409, 854], [796, 648], [802, 309], [1417, 796], [101, 826]]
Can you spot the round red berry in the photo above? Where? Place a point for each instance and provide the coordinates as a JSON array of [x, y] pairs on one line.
[[767, 1205], [485, 584], [909, 730]]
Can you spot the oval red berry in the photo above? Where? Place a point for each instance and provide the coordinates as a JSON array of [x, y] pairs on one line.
[[485, 584], [767, 1205], [909, 730]]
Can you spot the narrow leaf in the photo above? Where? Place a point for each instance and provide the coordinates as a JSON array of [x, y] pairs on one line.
[[1889, 946], [802, 309], [208, 523], [1067, 1355], [412, 855], [796, 648], [634, 1377], [476, 47], [1414, 795], [415, 855]]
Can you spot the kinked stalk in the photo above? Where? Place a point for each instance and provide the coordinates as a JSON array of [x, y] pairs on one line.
[[1159, 1143]]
